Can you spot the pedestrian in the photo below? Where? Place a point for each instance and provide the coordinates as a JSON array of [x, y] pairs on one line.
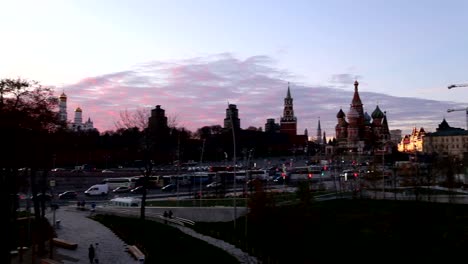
[[170, 214], [96, 257], [165, 217], [91, 253]]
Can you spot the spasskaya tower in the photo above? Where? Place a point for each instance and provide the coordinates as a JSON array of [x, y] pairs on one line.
[[288, 122]]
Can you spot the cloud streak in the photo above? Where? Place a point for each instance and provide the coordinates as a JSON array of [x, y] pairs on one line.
[[196, 92]]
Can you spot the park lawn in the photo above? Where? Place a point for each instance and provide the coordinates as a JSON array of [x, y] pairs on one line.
[[162, 243]]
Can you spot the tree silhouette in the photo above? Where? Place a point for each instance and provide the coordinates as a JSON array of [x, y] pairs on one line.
[[27, 111]]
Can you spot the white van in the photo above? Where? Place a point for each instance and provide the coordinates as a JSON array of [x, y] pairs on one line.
[[98, 189]]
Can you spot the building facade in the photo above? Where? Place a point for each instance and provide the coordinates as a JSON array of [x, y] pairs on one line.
[[232, 117], [414, 142], [447, 140]]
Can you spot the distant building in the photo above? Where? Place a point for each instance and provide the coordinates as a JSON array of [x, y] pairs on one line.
[[447, 140], [395, 135], [412, 143], [232, 110], [271, 126], [77, 124], [157, 122]]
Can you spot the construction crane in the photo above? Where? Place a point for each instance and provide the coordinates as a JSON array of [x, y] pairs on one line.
[[460, 109], [457, 85]]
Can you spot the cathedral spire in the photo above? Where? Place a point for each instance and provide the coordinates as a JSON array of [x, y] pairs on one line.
[[319, 133]]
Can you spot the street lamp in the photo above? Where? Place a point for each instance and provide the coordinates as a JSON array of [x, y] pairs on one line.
[[235, 163], [200, 179], [457, 85]]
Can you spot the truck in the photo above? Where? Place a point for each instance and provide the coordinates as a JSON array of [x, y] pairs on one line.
[[97, 189]]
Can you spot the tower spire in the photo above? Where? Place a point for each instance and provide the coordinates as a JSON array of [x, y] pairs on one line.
[[319, 132], [288, 95]]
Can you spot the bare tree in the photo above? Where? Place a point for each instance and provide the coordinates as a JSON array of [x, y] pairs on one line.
[[137, 118], [28, 116]]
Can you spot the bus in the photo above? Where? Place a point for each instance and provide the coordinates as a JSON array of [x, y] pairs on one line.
[[153, 181], [241, 175], [312, 172], [121, 181]]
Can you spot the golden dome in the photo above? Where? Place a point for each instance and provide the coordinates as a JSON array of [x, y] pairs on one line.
[[63, 96], [78, 109]]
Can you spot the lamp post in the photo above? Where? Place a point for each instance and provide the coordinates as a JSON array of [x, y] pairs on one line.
[[234, 160], [178, 166], [200, 179]]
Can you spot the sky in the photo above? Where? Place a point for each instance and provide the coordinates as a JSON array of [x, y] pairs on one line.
[[193, 57]]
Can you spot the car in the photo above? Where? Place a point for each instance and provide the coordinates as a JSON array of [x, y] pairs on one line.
[[278, 179], [107, 171], [168, 188], [138, 189], [58, 169], [68, 195], [47, 197], [121, 189], [214, 185]]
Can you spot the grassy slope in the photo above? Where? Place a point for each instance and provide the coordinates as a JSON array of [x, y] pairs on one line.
[[354, 230]]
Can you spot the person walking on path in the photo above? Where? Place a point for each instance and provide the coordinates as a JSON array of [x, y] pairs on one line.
[[165, 217], [91, 253]]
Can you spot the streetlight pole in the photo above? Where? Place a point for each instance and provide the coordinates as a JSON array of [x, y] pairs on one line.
[[178, 166], [235, 162], [200, 179], [383, 172]]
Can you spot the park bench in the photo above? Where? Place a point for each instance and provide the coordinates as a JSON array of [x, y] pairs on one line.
[[49, 261], [64, 244], [136, 253]]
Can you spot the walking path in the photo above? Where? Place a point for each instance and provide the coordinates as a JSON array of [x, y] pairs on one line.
[[76, 227]]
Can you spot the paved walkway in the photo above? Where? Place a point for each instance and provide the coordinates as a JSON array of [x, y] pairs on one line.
[[76, 227]]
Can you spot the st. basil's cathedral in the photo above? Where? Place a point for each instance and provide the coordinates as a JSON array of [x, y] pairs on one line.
[[356, 131]]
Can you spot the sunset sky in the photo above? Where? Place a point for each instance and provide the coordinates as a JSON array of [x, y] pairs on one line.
[[193, 57]]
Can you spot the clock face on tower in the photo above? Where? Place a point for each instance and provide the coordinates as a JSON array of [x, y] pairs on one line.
[[287, 112]]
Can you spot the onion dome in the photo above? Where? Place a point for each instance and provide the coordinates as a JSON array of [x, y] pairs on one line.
[[78, 109], [340, 114], [367, 118], [353, 113], [377, 113]]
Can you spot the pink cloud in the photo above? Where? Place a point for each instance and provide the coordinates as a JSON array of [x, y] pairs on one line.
[[197, 90]]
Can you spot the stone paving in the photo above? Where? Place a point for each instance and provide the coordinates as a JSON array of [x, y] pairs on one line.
[[76, 227]]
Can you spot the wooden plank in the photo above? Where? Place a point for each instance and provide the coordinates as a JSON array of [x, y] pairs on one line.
[[64, 244], [136, 253], [49, 261]]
